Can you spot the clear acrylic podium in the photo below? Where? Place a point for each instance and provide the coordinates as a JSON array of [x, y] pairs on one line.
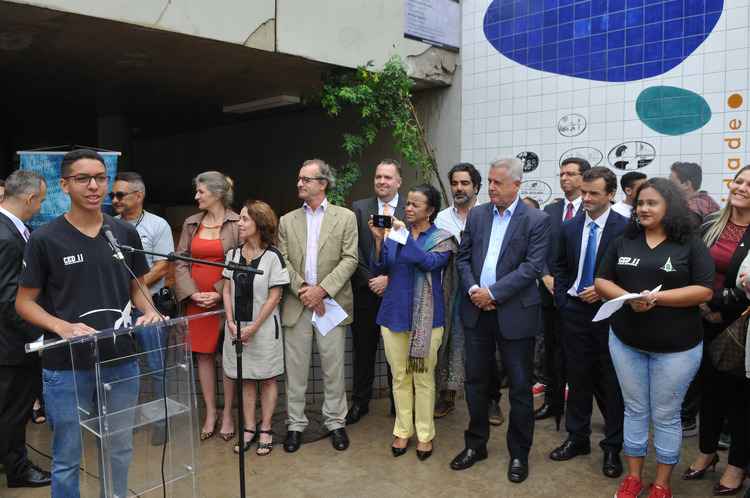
[[136, 402]]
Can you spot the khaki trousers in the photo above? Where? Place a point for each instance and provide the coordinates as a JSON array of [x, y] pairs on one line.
[[298, 341], [413, 393]]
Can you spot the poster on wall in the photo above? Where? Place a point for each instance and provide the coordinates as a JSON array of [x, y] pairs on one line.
[[47, 164], [628, 85], [437, 22]]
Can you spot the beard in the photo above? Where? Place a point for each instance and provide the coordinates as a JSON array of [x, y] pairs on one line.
[[461, 198]]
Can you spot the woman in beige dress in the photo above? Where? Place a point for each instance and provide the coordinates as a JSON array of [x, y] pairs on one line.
[[263, 352]]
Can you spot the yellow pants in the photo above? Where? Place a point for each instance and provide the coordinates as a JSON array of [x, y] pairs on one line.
[[413, 393]]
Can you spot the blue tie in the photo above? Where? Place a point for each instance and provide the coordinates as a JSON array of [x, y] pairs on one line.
[[587, 275]]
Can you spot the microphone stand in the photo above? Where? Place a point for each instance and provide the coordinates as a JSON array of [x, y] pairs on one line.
[[239, 273]]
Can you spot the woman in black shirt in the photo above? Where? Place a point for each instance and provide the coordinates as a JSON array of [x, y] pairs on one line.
[[656, 341]]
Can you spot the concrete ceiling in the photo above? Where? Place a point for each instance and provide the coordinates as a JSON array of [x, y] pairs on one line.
[[55, 60]]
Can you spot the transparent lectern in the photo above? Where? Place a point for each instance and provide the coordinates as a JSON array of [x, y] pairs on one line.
[[137, 410]]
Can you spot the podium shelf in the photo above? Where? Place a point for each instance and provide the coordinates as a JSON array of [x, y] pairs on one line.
[[133, 418]]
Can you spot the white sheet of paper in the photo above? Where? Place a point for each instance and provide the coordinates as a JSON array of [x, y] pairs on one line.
[[334, 315], [399, 235], [610, 307]]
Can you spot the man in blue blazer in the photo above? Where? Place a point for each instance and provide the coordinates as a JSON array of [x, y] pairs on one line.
[[502, 255], [582, 244]]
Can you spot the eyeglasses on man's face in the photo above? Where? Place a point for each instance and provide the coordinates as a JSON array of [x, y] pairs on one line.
[[86, 179], [308, 179]]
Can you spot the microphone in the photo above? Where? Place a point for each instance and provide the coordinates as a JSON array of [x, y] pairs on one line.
[[112, 242]]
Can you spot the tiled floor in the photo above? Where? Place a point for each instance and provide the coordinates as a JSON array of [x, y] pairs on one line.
[[367, 469]]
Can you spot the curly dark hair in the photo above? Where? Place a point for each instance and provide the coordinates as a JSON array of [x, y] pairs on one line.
[[266, 221], [678, 223]]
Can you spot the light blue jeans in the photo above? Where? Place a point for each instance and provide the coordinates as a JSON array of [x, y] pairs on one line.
[[64, 391], [653, 387]]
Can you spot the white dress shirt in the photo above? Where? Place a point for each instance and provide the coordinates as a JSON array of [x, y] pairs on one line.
[[576, 204], [392, 204], [314, 221], [20, 225], [600, 222], [623, 209]]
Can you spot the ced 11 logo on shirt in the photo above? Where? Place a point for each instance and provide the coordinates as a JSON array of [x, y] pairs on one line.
[[71, 260], [627, 261]]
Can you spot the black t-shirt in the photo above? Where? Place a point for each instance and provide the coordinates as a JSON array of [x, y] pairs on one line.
[[80, 281], [634, 266]]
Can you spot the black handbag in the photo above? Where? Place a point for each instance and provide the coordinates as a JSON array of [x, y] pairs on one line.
[[727, 351], [166, 302]]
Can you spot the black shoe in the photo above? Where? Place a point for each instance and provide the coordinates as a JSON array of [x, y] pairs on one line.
[[397, 452], [467, 458], [31, 477], [356, 412], [612, 465], [518, 471], [569, 449], [339, 439], [543, 412], [424, 455], [293, 441]]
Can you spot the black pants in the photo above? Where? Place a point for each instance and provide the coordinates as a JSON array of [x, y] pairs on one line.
[[724, 396], [518, 361], [17, 393], [591, 375], [553, 360], [365, 339]]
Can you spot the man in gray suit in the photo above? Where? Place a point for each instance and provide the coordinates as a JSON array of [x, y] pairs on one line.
[[502, 255], [368, 289], [319, 243]]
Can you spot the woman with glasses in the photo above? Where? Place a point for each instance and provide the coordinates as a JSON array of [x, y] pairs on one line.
[[208, 235]]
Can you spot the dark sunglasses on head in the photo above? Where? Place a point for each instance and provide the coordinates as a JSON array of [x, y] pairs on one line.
[[119, 195]]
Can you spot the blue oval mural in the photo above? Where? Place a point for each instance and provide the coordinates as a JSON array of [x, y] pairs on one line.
[[671, 110], [602, 40]]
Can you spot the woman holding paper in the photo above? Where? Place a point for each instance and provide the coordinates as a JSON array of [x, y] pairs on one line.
[[260, 322], [656, 341], [722, 395], [412, 315]]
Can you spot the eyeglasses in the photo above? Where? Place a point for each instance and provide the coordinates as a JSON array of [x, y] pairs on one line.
[[308, 179], [119, 195], [86, 179]]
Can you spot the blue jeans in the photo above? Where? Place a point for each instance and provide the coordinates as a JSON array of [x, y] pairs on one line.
[[153, 341], [64, 391], [653, 387]]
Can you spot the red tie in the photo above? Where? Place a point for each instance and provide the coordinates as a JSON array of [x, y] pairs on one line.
[[569, 211]]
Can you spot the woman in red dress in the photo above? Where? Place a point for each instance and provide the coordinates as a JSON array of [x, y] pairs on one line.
[[208, 235]]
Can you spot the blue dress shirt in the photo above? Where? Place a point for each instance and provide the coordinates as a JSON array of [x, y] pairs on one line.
[[400, 264], [499, 227]]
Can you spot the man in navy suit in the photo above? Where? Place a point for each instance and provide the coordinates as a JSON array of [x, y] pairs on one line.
[[582, 243], [502, 255], [571, 177]]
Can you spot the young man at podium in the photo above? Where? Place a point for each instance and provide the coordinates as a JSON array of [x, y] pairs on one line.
[[71, 286]]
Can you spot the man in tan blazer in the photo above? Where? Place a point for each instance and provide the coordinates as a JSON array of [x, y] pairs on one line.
[[319, 243]]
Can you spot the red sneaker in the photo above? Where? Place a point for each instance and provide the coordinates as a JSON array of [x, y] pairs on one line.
[[630, 487], [537, 389], [657, 491]]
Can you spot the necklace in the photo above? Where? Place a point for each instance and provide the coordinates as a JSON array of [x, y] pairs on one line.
[[250, 256]]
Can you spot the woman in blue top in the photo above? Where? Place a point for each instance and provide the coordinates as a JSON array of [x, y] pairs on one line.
[[412, 313]]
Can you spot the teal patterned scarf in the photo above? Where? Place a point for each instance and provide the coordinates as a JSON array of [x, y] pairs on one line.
[[423, 306]]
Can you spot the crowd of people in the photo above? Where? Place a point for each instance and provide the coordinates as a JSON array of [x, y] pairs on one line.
[[461, 295]]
